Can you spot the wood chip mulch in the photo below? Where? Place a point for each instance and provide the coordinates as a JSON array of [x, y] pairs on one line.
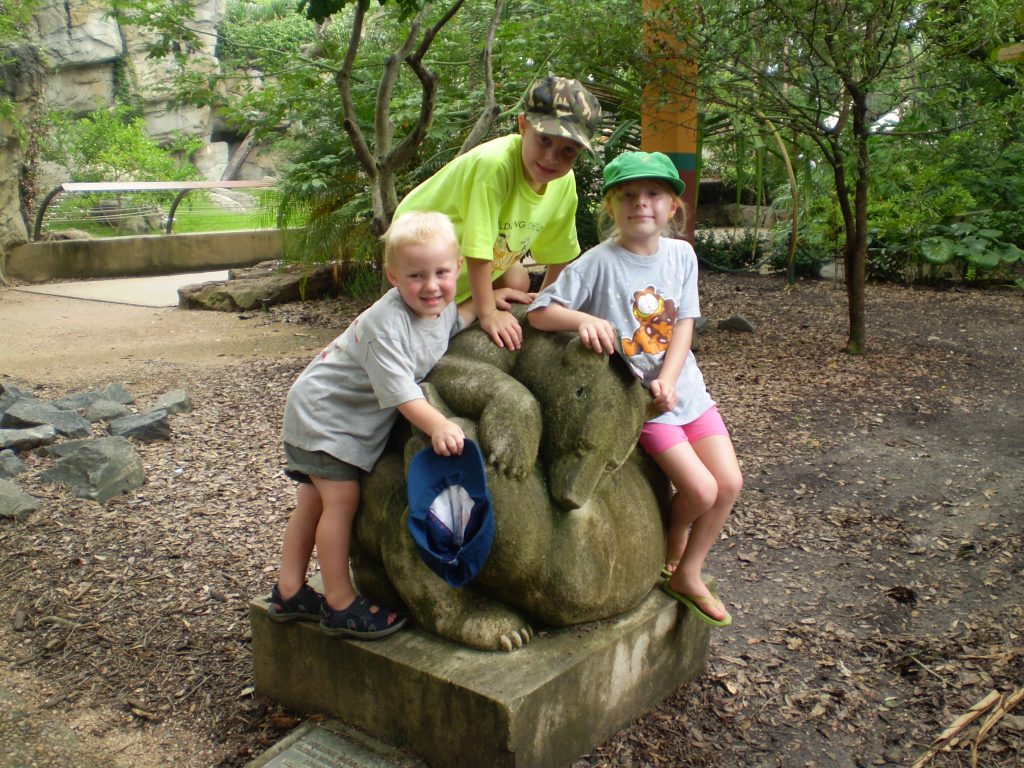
[[874, 562]]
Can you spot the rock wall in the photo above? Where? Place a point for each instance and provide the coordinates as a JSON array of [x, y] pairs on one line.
[[87, 52], [78, 57], [21, 81]]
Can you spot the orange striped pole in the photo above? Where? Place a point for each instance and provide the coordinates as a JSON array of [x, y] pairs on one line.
[[668, 121]]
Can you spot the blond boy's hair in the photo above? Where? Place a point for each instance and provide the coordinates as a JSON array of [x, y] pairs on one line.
[[676, 226], [419, 227]]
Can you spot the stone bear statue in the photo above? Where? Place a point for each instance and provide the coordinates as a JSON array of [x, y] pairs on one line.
[[579, 535]]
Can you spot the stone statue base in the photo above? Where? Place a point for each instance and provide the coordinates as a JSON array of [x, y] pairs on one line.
[[542, 705]]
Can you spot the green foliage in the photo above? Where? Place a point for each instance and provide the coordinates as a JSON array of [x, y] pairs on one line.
[[320, 10], [15, 16], [925, 193], [263, 36], [167, 21], [973, 251], [729, 254], [324, 210], [900, 218], [363, 281], [111, 145], [814, 249]]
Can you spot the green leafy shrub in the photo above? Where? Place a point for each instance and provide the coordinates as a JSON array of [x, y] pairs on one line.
[[112, 145], [899, 220], [811, 255], [819, 240], [973, 251], [729, 253], [264, 35]]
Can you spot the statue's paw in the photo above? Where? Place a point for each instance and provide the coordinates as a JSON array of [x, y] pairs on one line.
[[488, 626], [516, 639], [509, 464]]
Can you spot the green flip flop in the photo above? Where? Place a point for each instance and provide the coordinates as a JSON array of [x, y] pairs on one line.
[[692, 602]]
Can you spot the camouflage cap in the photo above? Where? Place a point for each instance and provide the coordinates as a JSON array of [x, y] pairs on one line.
[[559, 106]]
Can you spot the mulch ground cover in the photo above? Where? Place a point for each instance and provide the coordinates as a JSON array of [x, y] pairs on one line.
[[874, 562]]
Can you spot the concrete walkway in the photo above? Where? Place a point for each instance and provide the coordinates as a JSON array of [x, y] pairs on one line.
[[159, 291]]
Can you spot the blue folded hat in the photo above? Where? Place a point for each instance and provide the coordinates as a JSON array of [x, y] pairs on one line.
[[450, 515]]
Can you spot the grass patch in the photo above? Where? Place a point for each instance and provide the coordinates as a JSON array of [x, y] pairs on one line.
[[130, 216]]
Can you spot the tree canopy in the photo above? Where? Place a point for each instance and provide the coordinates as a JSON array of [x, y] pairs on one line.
[[910, 111]]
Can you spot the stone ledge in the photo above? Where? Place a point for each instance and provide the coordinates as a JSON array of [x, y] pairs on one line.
[[542, 705]]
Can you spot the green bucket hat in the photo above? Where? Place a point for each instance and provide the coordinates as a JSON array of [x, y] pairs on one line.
[[630, 166], [558, 106]]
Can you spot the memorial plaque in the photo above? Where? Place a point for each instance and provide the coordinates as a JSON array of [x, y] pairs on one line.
[[333, 745]]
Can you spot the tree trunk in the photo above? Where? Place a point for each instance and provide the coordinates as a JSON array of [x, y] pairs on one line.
[[241, 153], [856, 251]]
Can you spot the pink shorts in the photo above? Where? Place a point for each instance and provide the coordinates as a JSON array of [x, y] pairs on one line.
[[655, 438]]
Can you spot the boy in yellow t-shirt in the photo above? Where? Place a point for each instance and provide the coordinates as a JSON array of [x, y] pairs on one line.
[[515, 197]]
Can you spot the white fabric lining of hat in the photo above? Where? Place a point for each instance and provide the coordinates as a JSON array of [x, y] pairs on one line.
[[453, 508]]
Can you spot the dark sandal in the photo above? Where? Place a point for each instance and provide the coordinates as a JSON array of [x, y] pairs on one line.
[[305, 605], [359, 621]]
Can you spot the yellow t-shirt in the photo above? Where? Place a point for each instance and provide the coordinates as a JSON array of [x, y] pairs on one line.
[[497, 216]]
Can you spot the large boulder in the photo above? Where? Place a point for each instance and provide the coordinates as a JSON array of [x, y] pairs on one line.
[[579, 512], [264, 286], [99, 469]]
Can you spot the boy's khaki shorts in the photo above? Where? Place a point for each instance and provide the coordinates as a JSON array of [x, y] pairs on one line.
[[302, 465]]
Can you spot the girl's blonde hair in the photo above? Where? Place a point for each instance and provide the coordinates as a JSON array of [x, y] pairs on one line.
[[419, 227], [676, 226]]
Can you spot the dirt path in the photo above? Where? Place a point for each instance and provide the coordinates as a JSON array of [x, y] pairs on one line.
[[69, 342], [874, 563]]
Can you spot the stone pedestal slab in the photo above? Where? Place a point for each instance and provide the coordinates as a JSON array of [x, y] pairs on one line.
[[542, 705]]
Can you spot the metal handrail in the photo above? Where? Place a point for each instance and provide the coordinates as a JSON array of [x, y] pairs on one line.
[[184, 187]]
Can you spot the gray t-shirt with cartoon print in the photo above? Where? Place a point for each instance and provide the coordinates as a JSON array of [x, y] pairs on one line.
[[345, 402], [643, 297]]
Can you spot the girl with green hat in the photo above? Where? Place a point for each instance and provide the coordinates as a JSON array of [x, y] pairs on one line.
[[637, 292]]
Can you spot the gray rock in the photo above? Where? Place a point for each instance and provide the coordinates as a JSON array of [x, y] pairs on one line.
[[10, 464], [100, 470], [15, 504], [34, 413], [76, 401], [9, 390], [145, 427], [63, 448], [106, 410], [175, 401], [9, 394], [701, 324], [736, 323], [26, 439], [93, 37], [118, 394]]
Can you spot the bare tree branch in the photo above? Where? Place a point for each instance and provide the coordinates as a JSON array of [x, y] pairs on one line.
[[490, 108], [342, 79], [428, 82]]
